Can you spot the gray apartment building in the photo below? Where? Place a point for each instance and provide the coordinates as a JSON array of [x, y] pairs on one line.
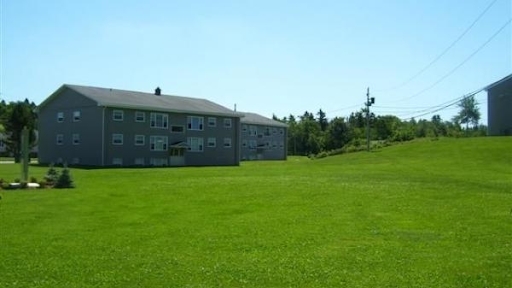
[[499, 107], [263, 138], [92, 126]]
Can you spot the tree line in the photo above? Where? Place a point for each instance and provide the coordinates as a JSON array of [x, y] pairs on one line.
[[13, 117], [312, 133]]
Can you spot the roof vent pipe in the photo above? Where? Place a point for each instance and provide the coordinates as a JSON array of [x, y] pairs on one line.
[[158, 91]]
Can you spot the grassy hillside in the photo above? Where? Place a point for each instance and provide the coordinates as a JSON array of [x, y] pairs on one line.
[[424, 214]]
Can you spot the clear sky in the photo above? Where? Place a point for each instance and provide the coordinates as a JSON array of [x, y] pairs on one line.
[[282, 57]]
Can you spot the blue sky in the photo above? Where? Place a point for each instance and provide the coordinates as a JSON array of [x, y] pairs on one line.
[[281, 57]]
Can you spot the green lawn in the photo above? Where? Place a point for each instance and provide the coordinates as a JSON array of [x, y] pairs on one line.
[[421, 214]]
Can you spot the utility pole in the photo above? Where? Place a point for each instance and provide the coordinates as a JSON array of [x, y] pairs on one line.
[[369, 102]]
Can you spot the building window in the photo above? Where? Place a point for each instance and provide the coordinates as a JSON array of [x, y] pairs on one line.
[[195, 123], [140, 116], [195, 144], [212, 122], [281, 145], [139, 161], [158, 161], [140, 140], [252, 144], [177, 129], [118, 115], [76, 116], [244, 143], [274, 145], [117, 161], [212, 142], [159, 120], [158, 143], [244, 128], [75, 161], [267, 131], [2, 144], [76, 139], [281, 131], [268, 145], [227, 123], [253, 130], [227, 142], [274, 131], [60, 139], [117, 139], [60, 117]]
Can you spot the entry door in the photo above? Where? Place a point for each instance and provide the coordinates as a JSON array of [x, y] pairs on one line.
[[177, 157]]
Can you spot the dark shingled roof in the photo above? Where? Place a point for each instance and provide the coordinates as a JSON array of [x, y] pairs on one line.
[[256, 119], [148, 101]]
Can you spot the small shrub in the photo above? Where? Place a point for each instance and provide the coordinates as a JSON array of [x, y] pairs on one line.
[[42, 184], [33, 180], [23, 184], [17, 180], [52, 175], [64, 180]]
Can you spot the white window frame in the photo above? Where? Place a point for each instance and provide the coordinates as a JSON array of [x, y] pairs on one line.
[[117, 161], [267, 132], [211, 142], [227, 143], [117, 139], [139, 143], [253, 144], [212, 121], [138, 114], [159, 161], [244, 128], [116, 114], [76, 116], [158, 143], [75, 160], [75, 139], [139, 161], [153, 120], [281, 131], [244, 143], [59, 139], [199, 126], [195, 144], [253, 130], [60, 117], [228, 122]]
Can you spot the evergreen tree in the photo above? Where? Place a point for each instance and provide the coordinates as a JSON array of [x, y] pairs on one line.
[[322, 120], [64, 180]]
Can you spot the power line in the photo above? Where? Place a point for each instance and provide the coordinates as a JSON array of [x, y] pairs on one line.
[[444, 105], [444, 51], [460, 65]]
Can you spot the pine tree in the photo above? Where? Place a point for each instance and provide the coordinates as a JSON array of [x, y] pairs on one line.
[[52, 175], [64, 180]]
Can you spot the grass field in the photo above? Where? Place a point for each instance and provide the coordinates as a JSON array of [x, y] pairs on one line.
[[421, 214]]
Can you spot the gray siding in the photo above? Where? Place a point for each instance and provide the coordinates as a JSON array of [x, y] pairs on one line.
[[129, 152], [263, 145], [88, 151], [499, 108]]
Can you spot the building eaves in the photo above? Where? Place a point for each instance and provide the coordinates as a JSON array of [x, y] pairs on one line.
[[504, 79], [256, 119]]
